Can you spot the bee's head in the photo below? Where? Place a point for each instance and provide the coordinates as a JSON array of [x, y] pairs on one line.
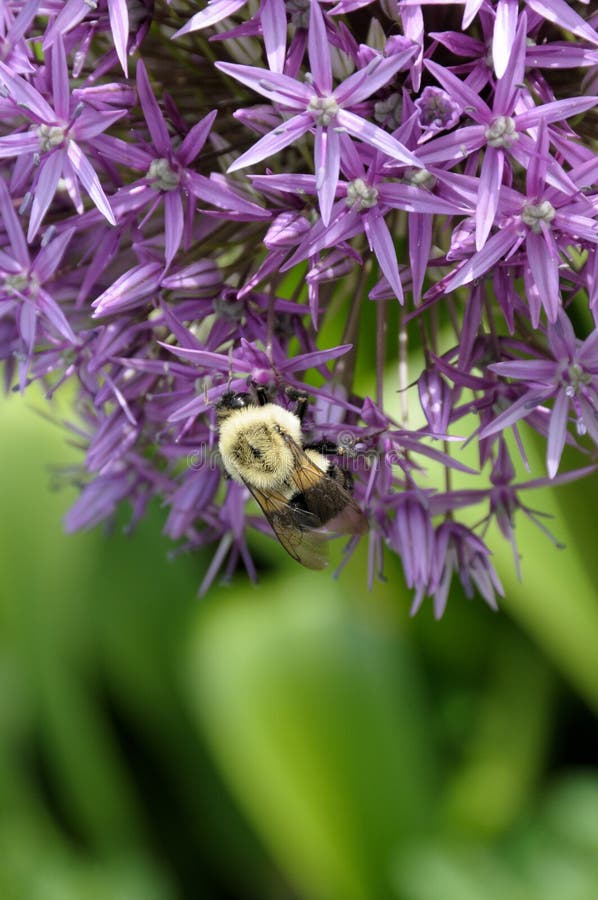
[[230, 402]]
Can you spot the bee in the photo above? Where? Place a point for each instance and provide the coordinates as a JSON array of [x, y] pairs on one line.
[[304, 496]]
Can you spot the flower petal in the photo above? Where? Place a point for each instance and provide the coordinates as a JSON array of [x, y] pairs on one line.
[[135, 286], [304, 361], [453, 147], [490, 181], [60, 79], [420, 244], [527, 369], [511, 60], [376, 137], [173, 224], [89, 180], [274, 27], [53, 313], [25, 95], [151, 111], [318, 49], [503, 34], [19, 143], [496, 247], [521, 408], [277, 139], [544, 262], [560, 13], [50, 171], [220, 194], [50, 256], [276, 87], [12, 226], [417, 200], [557, 433], [555, 111], [195, 139], [460, 92], [118, 14], [365, 82], [589, 417], [214, 12], [382, 244], [327, 162]]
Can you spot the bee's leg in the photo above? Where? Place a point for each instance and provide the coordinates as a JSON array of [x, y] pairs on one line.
[[301, 407], [301, 399], [325, 447], [261, 394]]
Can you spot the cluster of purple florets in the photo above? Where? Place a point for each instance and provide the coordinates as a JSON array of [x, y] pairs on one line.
[[391, 205]]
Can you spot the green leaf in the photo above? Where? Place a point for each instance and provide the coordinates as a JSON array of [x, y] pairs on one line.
[[314, 714]]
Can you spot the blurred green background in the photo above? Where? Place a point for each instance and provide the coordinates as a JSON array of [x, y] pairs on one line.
[[302, 740]]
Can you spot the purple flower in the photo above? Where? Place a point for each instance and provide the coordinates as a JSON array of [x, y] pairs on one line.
[[458, 551], [169, 174], [54, 138], [428, 274], [366, 197], [317, 107], [437, 111], [546, 220], [502, 130], [24, 284], [570, 379]]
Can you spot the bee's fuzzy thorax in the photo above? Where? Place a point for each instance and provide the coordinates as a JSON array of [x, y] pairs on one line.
[[253, 446], [319, 459]]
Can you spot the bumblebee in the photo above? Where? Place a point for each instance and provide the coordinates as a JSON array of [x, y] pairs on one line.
[[304, 496]]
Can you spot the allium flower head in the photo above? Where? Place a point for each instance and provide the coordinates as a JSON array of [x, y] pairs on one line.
[[392, 208]]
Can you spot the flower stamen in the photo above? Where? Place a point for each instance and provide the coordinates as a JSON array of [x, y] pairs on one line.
[[533, 214], [501, 132], [323, 109], [50, 136], [163, 174], [361, 195]]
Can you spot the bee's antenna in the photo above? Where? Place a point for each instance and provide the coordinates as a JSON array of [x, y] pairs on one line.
[[230, 369]]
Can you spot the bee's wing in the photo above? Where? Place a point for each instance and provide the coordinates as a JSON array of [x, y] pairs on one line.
[[350, 520], [307, 476], [294, 528]]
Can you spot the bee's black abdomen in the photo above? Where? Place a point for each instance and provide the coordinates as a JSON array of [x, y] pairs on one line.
[[341, 476], [323, 499]]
